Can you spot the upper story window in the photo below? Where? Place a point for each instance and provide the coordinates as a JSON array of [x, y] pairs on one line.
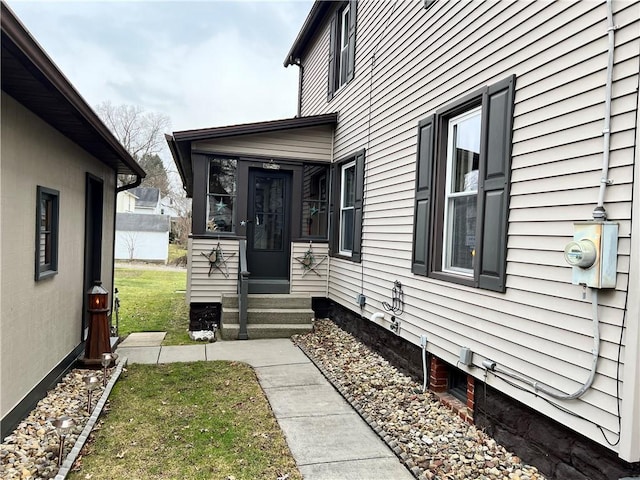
[[221, 195], [462, 189], [47, 226], [342, 46]]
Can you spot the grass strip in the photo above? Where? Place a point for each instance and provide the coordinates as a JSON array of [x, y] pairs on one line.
[[198, 420], [153, 301]]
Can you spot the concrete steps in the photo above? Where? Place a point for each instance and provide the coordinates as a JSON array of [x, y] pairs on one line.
[[268, 316]]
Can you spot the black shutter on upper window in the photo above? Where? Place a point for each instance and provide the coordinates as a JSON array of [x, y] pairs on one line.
[[334, 208], [356, 251], [351, 59], [422, 207], [493, 185], [333, 39]]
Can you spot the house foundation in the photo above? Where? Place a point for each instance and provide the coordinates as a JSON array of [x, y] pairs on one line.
[[555, 450]]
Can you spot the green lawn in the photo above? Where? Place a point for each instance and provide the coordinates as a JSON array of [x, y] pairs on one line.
[[202, 420], [153, 301]]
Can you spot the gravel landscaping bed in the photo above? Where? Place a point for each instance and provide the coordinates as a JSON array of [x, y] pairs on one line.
[[430, 438], [31, 451]]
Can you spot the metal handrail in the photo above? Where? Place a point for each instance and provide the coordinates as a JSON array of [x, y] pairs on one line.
[[243, 290]]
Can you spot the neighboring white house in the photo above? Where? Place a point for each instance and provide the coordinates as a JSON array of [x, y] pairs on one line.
[[147, 200], [126, 202], [142, 226], [142, 237], [453, 148], [59, 168]]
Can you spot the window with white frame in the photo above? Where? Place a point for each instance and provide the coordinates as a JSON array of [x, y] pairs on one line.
[[347, 204], [461, 192], [342, 46], [462, 189]]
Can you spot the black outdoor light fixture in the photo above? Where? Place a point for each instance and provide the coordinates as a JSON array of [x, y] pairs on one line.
[[98, 341], [62, 425]]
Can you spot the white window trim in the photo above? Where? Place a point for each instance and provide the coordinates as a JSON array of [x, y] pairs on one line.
[[344, 43], [343, 169], [447, 224]]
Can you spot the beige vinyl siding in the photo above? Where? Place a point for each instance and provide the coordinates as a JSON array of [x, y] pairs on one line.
[[312, 144], [306, 281], [424, 60], [205, 288]]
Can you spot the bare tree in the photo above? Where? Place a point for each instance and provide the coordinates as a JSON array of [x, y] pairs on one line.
[[141, 133], [130, 239], [181, 224]]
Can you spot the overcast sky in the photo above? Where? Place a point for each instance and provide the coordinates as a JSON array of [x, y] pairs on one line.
[[202, 63]]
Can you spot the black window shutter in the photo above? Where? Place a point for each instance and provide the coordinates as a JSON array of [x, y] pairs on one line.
[[333, 39], [334, 209], [422, 208], [493, 185], [351, 59], [356, 251]]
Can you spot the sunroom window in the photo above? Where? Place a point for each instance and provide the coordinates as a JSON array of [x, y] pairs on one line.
[[221, 195]]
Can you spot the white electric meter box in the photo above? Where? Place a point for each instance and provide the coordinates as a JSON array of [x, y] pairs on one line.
[[593, 254]]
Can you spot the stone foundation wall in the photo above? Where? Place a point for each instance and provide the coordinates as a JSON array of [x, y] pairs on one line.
[[403, 355], [557, 451]]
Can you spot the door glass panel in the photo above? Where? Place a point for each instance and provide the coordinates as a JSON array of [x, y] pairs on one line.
[[268, 226]]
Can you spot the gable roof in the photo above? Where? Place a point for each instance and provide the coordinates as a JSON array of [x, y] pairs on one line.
[[140, 222], [31, 77], [146, 196], [314, 19]]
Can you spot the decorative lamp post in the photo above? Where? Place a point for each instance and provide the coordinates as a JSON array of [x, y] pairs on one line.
[[98, 341], [107, 359], [91, 381], [62, 425]]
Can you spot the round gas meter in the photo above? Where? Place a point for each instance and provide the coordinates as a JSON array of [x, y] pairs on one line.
[[581, 253]]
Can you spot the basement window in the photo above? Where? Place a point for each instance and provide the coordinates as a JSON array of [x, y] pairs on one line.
[[458, 384]]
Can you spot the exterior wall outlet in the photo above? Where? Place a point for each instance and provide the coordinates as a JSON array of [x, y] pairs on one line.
[[361, 299], [466, 356], [593, 254]]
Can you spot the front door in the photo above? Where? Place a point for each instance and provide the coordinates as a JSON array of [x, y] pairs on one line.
[[269, 231], [92, 241]]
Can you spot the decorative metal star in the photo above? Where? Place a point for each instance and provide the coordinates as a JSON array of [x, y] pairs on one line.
[[313, 210], [310, 262], [220, 206], [217, 260]]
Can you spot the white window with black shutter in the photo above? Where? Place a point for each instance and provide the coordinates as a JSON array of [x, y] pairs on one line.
[[342, 46], [347, 191], [462, 189]]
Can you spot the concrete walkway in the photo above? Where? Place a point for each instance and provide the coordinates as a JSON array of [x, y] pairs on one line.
[[327, 438]]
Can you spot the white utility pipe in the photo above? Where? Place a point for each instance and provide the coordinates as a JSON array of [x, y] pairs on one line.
[[595, 352], [377, 316], [424, 368], [600, 212]]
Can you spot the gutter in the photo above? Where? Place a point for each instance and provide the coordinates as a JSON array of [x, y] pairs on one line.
[[129, 186]]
